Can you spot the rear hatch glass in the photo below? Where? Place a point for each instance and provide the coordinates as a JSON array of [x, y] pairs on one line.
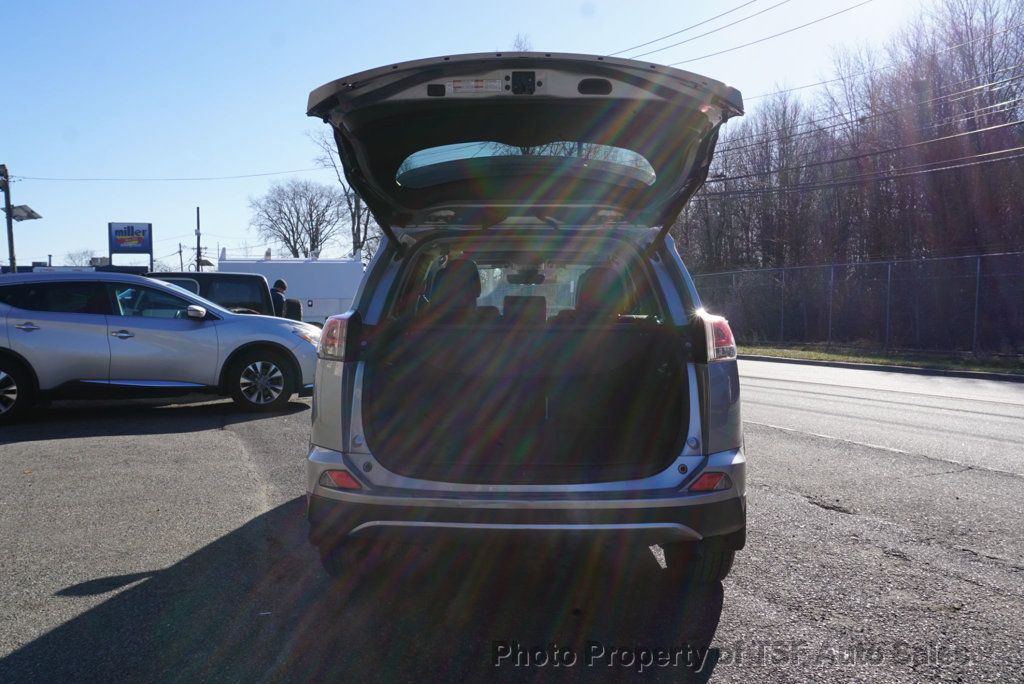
[[475, 138]]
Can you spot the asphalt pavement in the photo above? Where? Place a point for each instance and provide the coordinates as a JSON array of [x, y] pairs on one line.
[[165, 541]]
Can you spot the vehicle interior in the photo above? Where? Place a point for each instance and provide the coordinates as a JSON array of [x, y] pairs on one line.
[[525, 362], [147, 303]]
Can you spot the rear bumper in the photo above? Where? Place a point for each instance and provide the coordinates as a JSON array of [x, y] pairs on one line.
[[657, 516], [332, 520]]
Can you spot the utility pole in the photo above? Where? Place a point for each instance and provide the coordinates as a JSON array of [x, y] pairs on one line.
[[49, 260], [5, 185], [181, 259], [199, 244]]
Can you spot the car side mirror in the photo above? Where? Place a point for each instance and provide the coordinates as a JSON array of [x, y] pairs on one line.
[[196, 313]]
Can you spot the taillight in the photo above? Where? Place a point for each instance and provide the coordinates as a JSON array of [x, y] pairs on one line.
[[334, 336], [721, 343], [711, 482], [339, 479]]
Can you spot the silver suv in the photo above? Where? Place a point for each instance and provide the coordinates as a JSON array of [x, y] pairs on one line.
[[527, 354], [102, 335]]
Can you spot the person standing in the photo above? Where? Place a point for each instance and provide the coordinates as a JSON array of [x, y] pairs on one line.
[[277, 296]]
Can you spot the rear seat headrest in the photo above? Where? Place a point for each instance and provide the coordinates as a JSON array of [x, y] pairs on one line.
[[600, 288], [456, 285]]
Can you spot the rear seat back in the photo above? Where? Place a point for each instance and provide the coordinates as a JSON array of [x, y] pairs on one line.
[[454, 293], [600, 293], [524, 310]]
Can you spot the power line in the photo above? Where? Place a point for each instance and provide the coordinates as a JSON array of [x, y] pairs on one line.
[[868, 117], [847, 181], [708, 33], [174, 237], [884, 68], [162, 180], [842, 181], [802, 87], [960, 118], [683, 30], [774, 35], [871, 175], [873, 153]]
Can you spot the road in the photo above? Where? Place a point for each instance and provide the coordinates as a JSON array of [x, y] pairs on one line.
[[963, 421], [166, 541]]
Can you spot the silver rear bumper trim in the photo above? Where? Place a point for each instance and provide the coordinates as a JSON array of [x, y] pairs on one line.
[[668, 532]]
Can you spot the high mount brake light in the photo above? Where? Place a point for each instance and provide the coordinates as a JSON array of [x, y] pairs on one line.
[[334, 336], [720, 340]]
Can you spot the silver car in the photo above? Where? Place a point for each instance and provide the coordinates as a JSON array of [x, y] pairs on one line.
[[527, 354], [93, 335]]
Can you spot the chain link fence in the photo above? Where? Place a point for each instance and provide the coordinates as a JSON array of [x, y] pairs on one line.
[[971, 303]]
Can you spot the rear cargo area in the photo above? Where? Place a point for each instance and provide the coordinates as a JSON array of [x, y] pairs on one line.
[[545, 404]]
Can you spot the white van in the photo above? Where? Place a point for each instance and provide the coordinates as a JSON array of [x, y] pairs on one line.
[[324, 286]]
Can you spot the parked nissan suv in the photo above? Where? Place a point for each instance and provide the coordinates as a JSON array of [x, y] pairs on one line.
[[104, 335], [527, 354]]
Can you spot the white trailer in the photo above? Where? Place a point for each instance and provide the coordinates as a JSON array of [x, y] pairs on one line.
[[324, 286]]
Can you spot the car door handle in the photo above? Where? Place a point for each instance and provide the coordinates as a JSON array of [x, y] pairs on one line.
[[122, 334], [27, 327]]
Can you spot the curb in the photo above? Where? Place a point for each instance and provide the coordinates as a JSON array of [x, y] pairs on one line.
[[976, 375]]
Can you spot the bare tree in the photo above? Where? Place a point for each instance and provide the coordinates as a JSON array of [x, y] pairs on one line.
[[79, 257], [522, 43], [909, 151], [363, 229], [300, 215]]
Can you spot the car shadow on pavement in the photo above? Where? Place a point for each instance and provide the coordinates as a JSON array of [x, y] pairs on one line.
[[255, 605], [72, 419], [103, 585]]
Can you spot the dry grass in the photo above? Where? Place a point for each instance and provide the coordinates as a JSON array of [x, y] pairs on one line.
[[955, 361]]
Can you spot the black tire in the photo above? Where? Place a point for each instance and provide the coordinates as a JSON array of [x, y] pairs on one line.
[[261, 380], [292, 309], [17, 391], [699, 564], [352, 559], [711, 566]]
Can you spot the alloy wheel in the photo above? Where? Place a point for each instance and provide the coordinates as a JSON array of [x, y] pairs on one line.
[[261, 382], [8, 392]]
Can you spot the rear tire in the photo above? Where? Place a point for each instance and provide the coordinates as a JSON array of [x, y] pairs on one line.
[[351, 558], [261, 380], [16, 390], [698, 564], [711, 566]]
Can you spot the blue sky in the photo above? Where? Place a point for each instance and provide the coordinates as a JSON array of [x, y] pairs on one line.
[[187, 89]]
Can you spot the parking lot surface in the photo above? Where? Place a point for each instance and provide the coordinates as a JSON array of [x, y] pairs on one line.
[[165, 541]]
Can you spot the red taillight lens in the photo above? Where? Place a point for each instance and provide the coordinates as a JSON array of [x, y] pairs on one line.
[[711, 482], [721, 343], [339, 479], [332, 338]]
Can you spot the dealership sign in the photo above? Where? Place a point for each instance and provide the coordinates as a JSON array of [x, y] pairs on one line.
[[130, 238]]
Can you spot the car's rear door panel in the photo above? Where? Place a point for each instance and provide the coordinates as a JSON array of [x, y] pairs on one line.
[[61, 345]]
